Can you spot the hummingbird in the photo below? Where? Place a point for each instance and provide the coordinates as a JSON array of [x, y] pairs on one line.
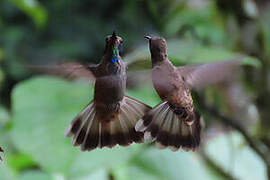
[[175, 122], [110, 118]]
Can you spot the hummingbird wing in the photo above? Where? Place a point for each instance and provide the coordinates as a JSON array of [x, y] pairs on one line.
[[201, 75], [77, 70], [67, 69]]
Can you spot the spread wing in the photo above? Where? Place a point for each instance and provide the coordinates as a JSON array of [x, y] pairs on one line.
[[68, 70], [199, 76]]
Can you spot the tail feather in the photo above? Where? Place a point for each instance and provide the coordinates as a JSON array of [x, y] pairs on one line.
[[168, 129], [91, 139], [90, 131], [79, 136]]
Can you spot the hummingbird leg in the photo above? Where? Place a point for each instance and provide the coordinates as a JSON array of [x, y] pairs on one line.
[[110, 112], [181, 111]]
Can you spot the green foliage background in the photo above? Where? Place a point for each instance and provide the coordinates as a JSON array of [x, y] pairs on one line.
[[35, 109]]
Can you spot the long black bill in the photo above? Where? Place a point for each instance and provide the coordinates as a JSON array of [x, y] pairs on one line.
[[147, 37], [114, 35]]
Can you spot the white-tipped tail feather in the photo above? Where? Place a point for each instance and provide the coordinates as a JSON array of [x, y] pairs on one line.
[[91, 132], [168, 129]]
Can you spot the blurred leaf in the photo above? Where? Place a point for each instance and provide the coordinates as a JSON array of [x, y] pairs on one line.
[[170, 165], [88, 162], [33, 9], [4, 116], [19, 161], [2, 76], [266, 30], [34, 175], [1, 55], [5, 172], [251, 8], [204, 23], [252, 62], [228, 151], [42, 108], [100, 174], [132, 172]]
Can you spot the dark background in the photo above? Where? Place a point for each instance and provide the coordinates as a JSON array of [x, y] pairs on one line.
[[35, 109]]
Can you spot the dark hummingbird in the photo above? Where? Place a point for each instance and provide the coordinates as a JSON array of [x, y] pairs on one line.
[[175, 123], [110, 118]]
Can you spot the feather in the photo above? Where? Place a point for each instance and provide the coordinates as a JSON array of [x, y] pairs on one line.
[[199, 76], [168, 129], [67, 69], [90, 132]]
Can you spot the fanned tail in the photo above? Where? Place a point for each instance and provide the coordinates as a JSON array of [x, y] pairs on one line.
[[167, 129], [91, 132]]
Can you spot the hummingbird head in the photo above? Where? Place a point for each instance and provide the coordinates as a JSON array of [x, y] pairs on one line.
[[157, 47], [113, 47]]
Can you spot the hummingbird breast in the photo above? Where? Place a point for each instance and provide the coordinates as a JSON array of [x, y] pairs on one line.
[[110, 85], [166, 81], [171, 87]]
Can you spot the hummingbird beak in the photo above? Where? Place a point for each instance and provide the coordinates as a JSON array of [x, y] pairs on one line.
[[147, 37], [114, 35]]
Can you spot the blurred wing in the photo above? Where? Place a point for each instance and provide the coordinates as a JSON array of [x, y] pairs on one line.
[[139, 77], [68, 70], [199, 76], [77, 70]]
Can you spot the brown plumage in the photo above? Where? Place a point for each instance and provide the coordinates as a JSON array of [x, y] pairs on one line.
[[175, 123], [111, 117]]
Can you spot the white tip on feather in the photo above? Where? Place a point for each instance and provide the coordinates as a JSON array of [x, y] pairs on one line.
[[160, 146], [148, 137], [67, 131], [185, 149], [173, 148], [139, 127]]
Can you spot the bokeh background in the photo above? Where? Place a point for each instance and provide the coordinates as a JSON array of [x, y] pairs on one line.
[[35, 109]]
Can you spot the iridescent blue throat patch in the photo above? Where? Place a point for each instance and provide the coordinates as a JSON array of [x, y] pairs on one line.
[[114, 57]]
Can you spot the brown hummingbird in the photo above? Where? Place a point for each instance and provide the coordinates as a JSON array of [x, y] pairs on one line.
[[110, 118], [175, 123]]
